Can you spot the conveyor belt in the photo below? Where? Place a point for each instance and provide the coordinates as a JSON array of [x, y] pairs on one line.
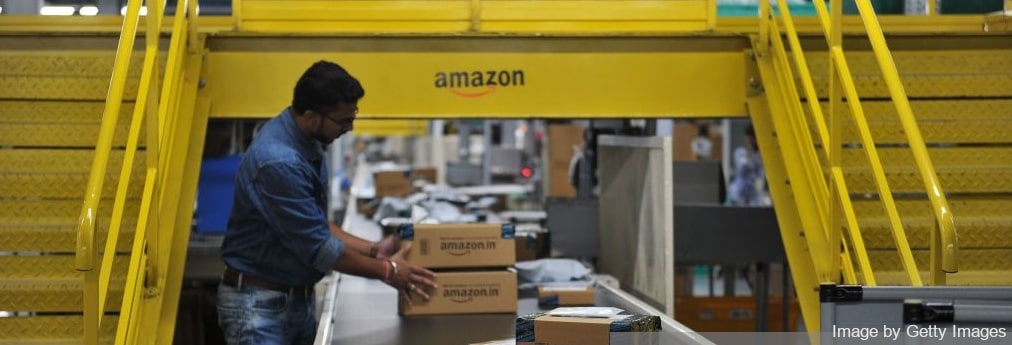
[[365, 312]]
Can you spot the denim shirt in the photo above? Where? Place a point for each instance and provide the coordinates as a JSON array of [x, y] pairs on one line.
[[278, 227]]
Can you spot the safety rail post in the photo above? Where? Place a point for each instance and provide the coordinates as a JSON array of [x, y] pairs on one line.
[[871, 152], [835, 127], [940, 205], [85, 250], [839, 191]]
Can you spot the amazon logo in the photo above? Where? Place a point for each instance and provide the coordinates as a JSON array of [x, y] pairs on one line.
[[467, 294], [474, 84]]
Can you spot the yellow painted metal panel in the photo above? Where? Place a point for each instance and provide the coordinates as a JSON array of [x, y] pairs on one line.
[[944, 157], [56, 135], [55, 236], [801, 255], [949, 111], [954, 180], [974, 232], [968, 131], [62, 329], [350, 10], [56, 112], [970, 259], [104, 24], [391, 127], [963, 278], [586, 84], [53, 161], [852, 25], [608, 27], [370, 27], [64, 186], [48, 283], [49, 211], [604, 10]]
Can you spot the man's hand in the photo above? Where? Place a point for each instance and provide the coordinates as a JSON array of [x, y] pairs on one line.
[[411, 279], [386, 247]]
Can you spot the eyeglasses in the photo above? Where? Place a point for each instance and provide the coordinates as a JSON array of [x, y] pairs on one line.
[[343, 121]]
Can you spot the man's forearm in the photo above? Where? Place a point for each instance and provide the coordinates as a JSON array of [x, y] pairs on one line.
[[351, 241]]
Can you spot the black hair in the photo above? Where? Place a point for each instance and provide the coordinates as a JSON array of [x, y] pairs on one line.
[[324, 85], [750, 131], [703, 130]]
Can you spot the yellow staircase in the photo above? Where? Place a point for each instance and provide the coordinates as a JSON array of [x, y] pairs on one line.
[[66, 130], [51, 101], [960, 91]]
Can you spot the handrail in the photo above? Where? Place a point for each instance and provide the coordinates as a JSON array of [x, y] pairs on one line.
[[114, 99], [86, 251], [868, 143], [939, 203], [840, 191]]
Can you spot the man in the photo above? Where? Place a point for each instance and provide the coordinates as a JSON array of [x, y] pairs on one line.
[[278, 244], [748, 188]]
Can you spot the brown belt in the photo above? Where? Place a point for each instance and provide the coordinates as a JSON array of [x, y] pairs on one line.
[[235, 278]]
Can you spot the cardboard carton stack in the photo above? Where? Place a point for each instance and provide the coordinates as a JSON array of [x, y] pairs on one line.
[[470, 261]]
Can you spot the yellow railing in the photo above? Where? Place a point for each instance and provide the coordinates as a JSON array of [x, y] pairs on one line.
[[143, 269], [943, 249]]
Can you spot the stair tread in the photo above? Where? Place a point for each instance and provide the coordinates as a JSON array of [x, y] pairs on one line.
[[50, 283], [59, 237], [962, 278], [52, 329]]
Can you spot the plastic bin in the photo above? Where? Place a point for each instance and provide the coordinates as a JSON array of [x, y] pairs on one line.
[[215, 191]]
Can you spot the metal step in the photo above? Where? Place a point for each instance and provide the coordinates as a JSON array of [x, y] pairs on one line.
[[60, 160], [58, 124], [59, 237], [62, 186], [934, 132], [941, 157], [56, 211], [925, 73], [51, 284], [953, 180], [974, 232], [963, 278], [53, 330], [43, 75], [969, 260]]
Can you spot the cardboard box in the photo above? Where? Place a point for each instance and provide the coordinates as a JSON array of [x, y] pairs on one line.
[[427, 174], [542, 329], [509, 341], [460, 245], [563, 296], [467, 293], [732, 314], [561, 140], [392, 183], [531, 245]]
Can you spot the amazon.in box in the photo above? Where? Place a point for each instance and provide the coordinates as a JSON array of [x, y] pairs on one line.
[[543, 329], [467, 293], [556, 296], [460, 245]]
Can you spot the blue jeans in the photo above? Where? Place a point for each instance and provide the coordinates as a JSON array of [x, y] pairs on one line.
[[251, 315]]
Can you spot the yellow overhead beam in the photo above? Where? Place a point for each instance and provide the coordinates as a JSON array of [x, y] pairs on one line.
[[518, 77]]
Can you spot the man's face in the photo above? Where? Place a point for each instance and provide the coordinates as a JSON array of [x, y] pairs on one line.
[[336, 121]]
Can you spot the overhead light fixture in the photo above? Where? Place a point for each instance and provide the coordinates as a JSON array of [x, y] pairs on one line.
[[57, 10], [144, 11], [88, 10]]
